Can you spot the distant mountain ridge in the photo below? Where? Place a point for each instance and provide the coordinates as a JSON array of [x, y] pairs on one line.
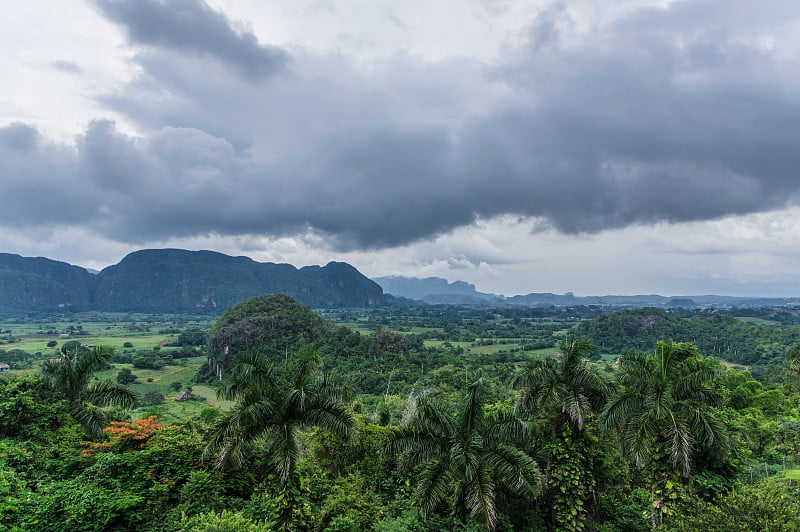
[[174, 280], [28, 283], [435, 290], [180, 281]]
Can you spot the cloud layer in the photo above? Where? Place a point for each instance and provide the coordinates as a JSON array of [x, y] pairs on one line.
[[678, 113]]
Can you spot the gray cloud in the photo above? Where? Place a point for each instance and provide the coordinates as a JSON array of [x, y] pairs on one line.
[[191, 26], [18, 138], [67, 66], [41, 181], [672, 114]]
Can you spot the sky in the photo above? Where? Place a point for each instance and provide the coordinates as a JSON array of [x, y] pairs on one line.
[[592, 146]]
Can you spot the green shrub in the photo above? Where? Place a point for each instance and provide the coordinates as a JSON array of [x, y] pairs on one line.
[[153, 398], [224, 521]]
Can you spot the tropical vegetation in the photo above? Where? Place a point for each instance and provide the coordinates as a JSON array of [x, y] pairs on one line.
[[417, 419]]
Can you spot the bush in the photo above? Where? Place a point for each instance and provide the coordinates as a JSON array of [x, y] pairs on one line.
[[153, 398], [122, 358], [52, 343], [125, 376], [192, 337], [127, 345], [145, 360], [185, 352], [205, 375], [221, 522], [772, 504]]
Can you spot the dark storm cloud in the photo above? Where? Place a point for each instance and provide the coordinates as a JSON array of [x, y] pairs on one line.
[[684, 113], [673, 115], [40, 181], [191, 26]]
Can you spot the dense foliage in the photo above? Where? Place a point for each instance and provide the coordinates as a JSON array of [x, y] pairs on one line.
[[269, 325], [455, 424], [746, 339]]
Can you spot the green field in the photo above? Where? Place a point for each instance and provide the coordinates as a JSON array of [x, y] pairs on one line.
[[125, 333], [756, 321]]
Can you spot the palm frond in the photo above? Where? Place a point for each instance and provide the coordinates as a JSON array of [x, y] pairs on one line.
[[680, 445], [430, 416], [506, 427], [271, 404], [229, 441], [91, 362], [414, 447], [538, 380], [636, 370], [91, 417], [708, 430], [516, 469], [592, 383], [330, 385], [107, 393], [331, 416], [284, 449], [472, 414], [54, 375], [577, 408], [479, 496], [638, 436], [433, 486], [465, 455], [257, 415], [620, 408], [305, 368], [252, 373]]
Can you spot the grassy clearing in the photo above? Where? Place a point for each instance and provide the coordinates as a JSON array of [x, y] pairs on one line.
[[731, 365], [112, 329], [756, 321], [493, 349], [160, 381], [210, 395], [791, 474], [440, 343], [140, 342], [546, 351]]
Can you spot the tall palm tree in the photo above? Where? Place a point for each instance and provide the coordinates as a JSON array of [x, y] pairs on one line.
[[71, 373], [566, 391], [666, 405], [271, 405], [466, 456], [566, 388]]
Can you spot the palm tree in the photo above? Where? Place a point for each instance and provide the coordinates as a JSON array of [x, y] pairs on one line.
[[567, 388], [466, 456], [271, 405], [71, 373], [666, 405], [566, 391]]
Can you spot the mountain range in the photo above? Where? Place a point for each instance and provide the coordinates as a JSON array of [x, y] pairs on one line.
[[435, 290], [180, 281], [174, 280]]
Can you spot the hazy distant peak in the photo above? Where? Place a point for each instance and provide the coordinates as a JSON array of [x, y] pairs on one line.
[[433, 289]]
